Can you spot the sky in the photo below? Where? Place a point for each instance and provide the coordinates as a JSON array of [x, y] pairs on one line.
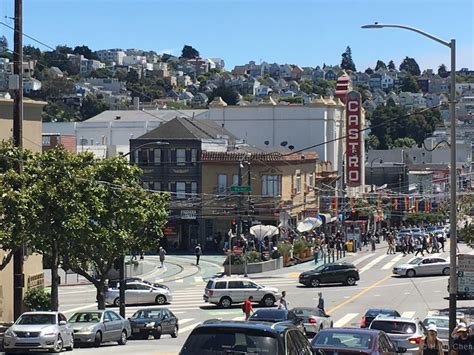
[[303, 32]]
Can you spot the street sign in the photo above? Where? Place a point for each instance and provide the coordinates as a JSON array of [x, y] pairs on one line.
[[466, 262], [465, 281], [241, 188]]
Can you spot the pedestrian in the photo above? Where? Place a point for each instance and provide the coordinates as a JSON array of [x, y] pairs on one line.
[[391, 249], [316, 254], [431, 345], [441, 242], [418, 247], [463, 343], [321, 303], [424, 243], [283, 302], [403, 245], [435, 244], [162, 254], [197, 252], [373, 240], [247, 307]]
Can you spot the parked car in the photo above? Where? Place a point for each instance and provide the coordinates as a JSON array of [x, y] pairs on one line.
[[277, 316], [427, 265], [354, 341], [139, 292], [229, 290], [98, 327], [372, 313], [155, 322], [313, 319], [404, 332], [115, 283], [39, 331], [232, 337], [332, 273]]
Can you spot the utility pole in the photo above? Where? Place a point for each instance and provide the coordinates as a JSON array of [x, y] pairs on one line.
[[240, 206], [18, 276]]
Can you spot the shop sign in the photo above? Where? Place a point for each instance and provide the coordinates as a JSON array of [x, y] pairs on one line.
[[188, 214], [354, 162]]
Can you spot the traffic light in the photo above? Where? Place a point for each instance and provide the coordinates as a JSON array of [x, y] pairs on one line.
[[233, 226], [245, 226]]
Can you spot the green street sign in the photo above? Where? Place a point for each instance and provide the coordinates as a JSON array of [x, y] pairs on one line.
[[241, 188]]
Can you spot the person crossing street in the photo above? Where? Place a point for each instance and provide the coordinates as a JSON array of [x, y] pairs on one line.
[[198, 253]]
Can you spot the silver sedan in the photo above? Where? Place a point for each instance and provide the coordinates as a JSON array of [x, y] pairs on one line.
[[99, 327], [423, 266], [139, 293], [313, 319]]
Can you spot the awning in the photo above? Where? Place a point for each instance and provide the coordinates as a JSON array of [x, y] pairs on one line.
[[333, 219], [261, 231], [325, 217], [308, 224]]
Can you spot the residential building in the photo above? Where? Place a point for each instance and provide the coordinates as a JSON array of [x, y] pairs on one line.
[[110, 56], [219, 63], [88, 65], [31, 84], [199, 100], [109, 84], [51, 140], [134, 60], [33, 266]]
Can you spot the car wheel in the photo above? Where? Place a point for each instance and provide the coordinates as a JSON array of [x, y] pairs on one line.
[[117, 302], [446, 271], [350, 281], [160, 299], [268, 300], [71, 346], [97, 339], [58, 346], [123, 338], [144, 335], [315, 282], [157, 332], [175, 332], [411, 273], [225, 302]]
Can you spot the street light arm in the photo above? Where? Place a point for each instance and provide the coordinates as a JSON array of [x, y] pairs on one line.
[[423, 33], [143, 145]]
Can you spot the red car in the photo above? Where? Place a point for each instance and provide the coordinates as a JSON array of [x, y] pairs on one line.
[[354, 341]]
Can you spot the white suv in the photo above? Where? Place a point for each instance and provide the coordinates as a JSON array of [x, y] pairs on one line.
[[225, 291]]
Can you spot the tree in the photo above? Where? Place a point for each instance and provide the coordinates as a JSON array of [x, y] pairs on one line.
[[228, 94], [442, 72], [405, 142], [59, 112], [347, 63], [391, 65], [409, 84], [86, 52], [189, 52], [54, 88], [323, 86], [467, 233], [380, 65], [372, 142], [120, 217], [93, 105], [32, 52], [369, 71], [132, 76], [307, 86], [410, 66], [102, 73]]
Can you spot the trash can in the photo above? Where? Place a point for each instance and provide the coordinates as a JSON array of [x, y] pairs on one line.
[[349, 246]]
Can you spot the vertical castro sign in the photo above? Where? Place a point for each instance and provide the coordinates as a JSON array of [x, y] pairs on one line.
[[353, 140]]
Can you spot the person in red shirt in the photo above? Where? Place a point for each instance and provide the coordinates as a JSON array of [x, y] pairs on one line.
[[247, 307]]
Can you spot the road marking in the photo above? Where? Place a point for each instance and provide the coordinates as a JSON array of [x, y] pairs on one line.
[[198, 279], [293, 275], [376, 295], [188, 328], [72, 310], [187, 320], [159, 281], [238, 318], [389, 265], [179, 281], [359, 294], [344, 320], [435, 255], [372, 263], [408, 314], [92, 290], [432, 313], [471, 252], [406, 293], [357, 261]]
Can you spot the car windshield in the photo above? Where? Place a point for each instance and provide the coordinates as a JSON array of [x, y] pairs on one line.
[[394, 327], [320, 268], [213, 341], [415, 261], [306, 312], [273, 314], [337, 339], [37, 319], [376, 312], [209, 284], [439, 322], [147, 313], [85, 317]]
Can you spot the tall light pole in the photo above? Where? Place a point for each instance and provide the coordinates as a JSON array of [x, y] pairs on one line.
[[452, 110]]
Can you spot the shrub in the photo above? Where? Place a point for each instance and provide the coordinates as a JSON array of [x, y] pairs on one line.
[[37, 299], [235, 260], [299, 245], [284, 249], [254, 257]]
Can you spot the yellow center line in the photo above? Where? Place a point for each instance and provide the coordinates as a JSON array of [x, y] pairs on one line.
[[358, 295]]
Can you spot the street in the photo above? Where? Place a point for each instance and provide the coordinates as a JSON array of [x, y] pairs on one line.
[[377, 288]]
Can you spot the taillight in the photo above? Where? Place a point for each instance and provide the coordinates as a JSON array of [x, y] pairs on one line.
[[357, 270], [210, 292], [362, 322], [312, 320], [415, 340]]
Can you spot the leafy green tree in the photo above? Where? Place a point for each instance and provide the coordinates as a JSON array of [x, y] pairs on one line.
[[372, 142], [411, 66], [93, 105], [189, 52], [32, 52], [391, 65], [64, 49], [467, 233], [442, 72], [347, 63], [102, 73], [307, 86], [322, 86], [369, 71], [86, 52], [409, 84], [7, 55], [59, 112], [54, 88], [132, 77], [121, 74], [228, 94], [404, 142], [380, 65]]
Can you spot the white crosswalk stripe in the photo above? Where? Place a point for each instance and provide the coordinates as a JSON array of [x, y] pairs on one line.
[[188, 328], [183, 321], [389, 265], [408, 314], [372, 263], [344, 320], [358, 261]]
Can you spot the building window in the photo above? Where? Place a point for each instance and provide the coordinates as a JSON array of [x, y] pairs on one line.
[[180, 190], [221, 183], [194, 188], [180, 156], [235, 180], [46, 140], [298, 183], [194, 153], [311, 180], [271, 185], [157, 156]]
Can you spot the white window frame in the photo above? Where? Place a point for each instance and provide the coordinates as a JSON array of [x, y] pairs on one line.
[[271, 185], [298, 182], [181, 192], [181, 160], [222, 183]]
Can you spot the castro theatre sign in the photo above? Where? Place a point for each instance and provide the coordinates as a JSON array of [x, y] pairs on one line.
[[354, 163]]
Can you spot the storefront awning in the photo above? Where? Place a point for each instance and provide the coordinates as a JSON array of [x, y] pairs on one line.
[[308, 224]]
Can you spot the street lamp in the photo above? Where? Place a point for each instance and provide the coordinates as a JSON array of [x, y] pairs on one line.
[[143, 145], [452, 108]]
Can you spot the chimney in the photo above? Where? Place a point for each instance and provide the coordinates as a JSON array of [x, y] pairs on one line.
[[136, 103]]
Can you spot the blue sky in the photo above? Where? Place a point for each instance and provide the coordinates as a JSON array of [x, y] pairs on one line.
[[305, 32]]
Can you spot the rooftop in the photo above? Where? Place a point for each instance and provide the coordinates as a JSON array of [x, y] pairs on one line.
[[143, 115]]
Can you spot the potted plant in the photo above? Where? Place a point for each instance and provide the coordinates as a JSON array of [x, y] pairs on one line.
[[284, 250]]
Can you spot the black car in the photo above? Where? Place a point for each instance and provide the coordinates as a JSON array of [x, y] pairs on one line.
[[155, 322], [374, 312], [332, 273], [277, 316], [232, 337]]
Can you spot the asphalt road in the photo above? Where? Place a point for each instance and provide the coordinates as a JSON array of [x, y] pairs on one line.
[[377, 288]]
